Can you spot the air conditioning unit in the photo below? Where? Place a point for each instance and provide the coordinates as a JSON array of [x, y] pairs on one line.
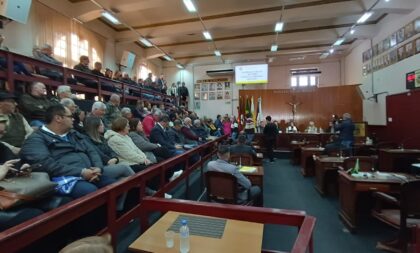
[[220, 72]]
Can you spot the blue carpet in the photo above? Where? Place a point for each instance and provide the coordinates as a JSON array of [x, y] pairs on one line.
[[286, 188]]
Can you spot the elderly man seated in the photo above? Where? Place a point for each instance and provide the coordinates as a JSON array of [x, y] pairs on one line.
[[241, 147], [246, 190]]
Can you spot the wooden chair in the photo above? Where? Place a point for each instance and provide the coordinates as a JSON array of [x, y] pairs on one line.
[[223, 188], [242, 159], [406, 217], [366, 163]]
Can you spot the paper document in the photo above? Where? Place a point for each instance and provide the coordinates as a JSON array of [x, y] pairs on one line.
[[248, 169]]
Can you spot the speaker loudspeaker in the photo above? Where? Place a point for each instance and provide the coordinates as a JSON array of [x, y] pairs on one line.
[[127, 59], [17, 10]]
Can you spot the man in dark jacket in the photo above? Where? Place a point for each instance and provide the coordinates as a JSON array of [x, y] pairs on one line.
[[159, 135], [345, 138], [242, 147], [270, 136], [64, 152]]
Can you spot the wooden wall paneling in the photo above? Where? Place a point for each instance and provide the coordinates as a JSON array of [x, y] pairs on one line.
[[317, 104]]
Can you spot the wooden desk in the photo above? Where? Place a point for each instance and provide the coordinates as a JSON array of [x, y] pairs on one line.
[[351, 187], [239, 236], [398, 160], [325, 165], [257, 177], [306, 161], [258, 159], [295, 147]]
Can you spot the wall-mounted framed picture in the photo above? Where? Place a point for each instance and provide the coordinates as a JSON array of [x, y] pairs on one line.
[[409, 30], [197, 95], [219, 86], [212, 95], [197, 86], [401, 53], [227, 95], [417, 45], [220, 95], [400, 35], [385, 44], [204, 87], [393, 40], [212, 87], [204, 96], [409, 49], [417, 25], [227, 85]]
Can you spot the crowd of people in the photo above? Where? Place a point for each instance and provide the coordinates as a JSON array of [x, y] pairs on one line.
[[97, 148]]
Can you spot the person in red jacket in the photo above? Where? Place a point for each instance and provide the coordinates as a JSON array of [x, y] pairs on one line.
[[150, 120]]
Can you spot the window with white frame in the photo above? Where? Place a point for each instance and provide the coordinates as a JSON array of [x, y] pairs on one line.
[[60, 46], [304, 77]]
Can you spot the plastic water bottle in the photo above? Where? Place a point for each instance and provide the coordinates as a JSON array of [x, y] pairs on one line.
[[184, 237]]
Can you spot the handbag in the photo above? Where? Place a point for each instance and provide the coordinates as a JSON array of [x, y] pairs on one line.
[[19, 190]]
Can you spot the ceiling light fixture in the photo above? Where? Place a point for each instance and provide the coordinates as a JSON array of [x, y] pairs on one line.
[[217, 53], [190, 6], [167, 57], [207, 35], [331, 50], [111, 18], [279, 27], [339, 42], [274, 48], [146, 42], [179, 66], [365, 17], [352, 31]]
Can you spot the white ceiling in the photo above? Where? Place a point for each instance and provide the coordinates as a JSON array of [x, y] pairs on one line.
[[243, 30]]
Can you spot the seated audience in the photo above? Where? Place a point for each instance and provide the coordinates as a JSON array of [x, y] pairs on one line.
[[126, 113], [291, 128], [199, 130], [311, 129], [16, 127], [45, 53], [98, 110], [94, 129], [64, 152], [187, 131], [112, 110], [176, 136], [128, 153], [34, 104], [97, 69], [246, 190], [160, 135], [83, 66], [109, 73], [241, 147], [150, 121], [138, 112], [213, 129]]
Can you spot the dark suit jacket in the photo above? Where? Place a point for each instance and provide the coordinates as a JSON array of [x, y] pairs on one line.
[[242, 149], [158, 135]]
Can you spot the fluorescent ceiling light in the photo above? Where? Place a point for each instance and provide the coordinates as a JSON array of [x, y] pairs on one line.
[[274, 48], [207, 35], [352, 31], [190, 6], [179, 66], [331, 50], [339, 42], [167, 57], [146, 42], [110, 18], [217, 53], [279, 27], [323, 56], [365, 17]]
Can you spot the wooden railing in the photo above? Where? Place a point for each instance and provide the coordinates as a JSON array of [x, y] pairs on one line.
[[9, 75], [298, 219], [22, 235]]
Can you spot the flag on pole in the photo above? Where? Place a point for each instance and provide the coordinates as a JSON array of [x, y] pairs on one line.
[[253, 115], [260, 115], [247, 105]]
